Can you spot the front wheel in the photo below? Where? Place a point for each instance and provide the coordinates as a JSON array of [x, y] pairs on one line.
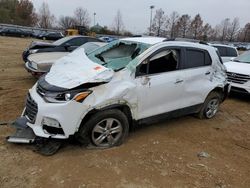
[[105, 129], [210, 106]]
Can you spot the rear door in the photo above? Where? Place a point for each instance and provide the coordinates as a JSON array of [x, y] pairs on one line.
[[198, 75]]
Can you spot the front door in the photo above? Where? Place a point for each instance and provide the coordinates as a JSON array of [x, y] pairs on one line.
[[159, 83]]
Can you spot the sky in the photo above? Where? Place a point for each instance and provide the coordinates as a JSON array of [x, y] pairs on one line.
[[136, 13]]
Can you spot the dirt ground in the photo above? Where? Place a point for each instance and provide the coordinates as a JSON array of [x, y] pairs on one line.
[[160, 155]]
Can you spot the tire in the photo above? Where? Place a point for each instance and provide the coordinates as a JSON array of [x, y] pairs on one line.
[[104, 129], [210, 106]]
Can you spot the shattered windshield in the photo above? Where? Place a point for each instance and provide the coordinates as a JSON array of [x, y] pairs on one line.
[[243, 58], [118, 54]]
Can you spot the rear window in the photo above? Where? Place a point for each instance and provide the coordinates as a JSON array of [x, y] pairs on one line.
[[226, 51], [222, 50], [231, 52]]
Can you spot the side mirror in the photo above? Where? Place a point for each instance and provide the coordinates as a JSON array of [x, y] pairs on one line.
[[142, 69]]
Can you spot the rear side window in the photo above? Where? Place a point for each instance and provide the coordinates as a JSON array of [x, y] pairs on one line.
[[231, 52], [197, 58]]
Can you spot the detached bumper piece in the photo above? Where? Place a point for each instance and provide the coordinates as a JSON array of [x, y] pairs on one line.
[[24, 134]]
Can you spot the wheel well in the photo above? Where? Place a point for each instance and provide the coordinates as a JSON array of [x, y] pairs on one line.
[[124, 108], [221, 91], [218, 90]]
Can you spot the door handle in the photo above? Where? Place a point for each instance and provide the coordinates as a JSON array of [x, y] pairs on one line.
[[178, 81], [207, 73]]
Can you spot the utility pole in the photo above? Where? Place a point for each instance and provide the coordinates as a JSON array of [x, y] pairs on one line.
[[150, 26], [94, 18]]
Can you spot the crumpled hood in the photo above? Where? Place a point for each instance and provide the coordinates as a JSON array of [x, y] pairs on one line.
[[237, 67], [76, 69]]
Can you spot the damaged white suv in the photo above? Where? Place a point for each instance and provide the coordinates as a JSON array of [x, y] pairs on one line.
[[99, 96]]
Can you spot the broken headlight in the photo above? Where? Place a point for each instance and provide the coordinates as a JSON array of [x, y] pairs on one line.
[[77, 95]]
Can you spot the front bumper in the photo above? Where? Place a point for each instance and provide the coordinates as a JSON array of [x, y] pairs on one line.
[[34, 72], [25, 55], [69, 116], [241, 88]]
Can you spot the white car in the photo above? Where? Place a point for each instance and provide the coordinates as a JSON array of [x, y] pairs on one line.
[[238, 72], [99, 96], [226, 52], [40, 63]]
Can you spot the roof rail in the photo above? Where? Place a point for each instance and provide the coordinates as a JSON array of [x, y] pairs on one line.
[[186, 40]]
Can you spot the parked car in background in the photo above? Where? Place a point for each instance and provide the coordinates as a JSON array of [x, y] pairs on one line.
[[67, 44], [97, 97], [107, 39], [40, 63], [238, 72], [226, 52], [51, 36], [14, 32]]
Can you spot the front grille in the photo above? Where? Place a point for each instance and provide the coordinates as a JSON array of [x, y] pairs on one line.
[[237, 78], [31, 109]]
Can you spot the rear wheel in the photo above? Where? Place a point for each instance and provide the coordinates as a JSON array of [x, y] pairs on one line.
[[105, 129], [210, 106]]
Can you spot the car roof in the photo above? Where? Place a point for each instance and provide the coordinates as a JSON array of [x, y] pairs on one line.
[[189, 44], [222, 45], [146, 40]]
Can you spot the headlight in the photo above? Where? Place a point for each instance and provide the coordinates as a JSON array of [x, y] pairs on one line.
[[77, 95], [33, 51], [32, 64]]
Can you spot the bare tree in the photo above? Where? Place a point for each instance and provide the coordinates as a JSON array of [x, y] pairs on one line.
[[174, 16], [207, 32], [234, 29], [45, 18], [224, 28], [82, 17], [184, 25], [118, 23], [216, 33], [66, 22], [25, 13], [246, 33], [158, 23], [197, 26]]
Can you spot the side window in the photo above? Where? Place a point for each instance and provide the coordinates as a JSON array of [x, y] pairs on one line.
[[77, 41], [163, 61], [231, 52], [197, 58]]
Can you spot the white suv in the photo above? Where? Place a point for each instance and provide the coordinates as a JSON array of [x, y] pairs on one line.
[[238, 72], [98, 97], [226, 52]]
